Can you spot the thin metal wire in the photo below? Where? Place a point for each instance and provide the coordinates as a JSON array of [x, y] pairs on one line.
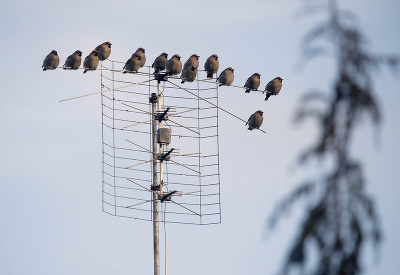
[[213, 104], [219, 178], [165, 235], [102, 144], [113, 103], [199, 144]]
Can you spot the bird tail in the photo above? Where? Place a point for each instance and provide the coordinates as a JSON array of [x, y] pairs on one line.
[[210, 75], [183, 81], [267, 96], [124, 72], [84, 71], [44, 69], [247, 91], [251, 129]]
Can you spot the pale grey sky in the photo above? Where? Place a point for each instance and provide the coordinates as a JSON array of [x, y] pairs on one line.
[[50, 176]]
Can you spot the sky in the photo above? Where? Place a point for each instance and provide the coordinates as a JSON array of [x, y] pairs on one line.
[[50, 176]]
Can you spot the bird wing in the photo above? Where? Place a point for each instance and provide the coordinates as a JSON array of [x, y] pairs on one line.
[[127, 63], [68, 58], [250, 118], [269, 86]]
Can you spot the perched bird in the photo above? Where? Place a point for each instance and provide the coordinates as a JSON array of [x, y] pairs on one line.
[[253, 82], [141, 52], [160, 62], [189, 74], [273, 87], [51, 61], [192, 61], [73, 61], [91, 61], [133, 64], [174, 65], [104, 50], [255, 120], [211, 66], [226, 77]]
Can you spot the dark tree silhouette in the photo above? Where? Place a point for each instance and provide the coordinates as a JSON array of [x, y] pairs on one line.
[[340, 217]]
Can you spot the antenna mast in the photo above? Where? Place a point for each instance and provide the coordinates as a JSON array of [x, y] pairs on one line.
[[154, 98]]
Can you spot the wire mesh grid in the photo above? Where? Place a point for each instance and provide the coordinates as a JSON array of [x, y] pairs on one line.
[[193, 170]]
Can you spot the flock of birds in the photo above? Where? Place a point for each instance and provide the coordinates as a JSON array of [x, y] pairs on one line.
[[172, 66]]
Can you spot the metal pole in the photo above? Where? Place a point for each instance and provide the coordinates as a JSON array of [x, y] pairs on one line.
[[161, 146], [153, 100]]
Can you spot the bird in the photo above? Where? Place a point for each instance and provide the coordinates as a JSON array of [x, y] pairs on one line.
[[141, 52], [226, 77], [91, 61], [255, 120], [189, 74], [174, 65], [192, 61], [51, 61], [211, 66], [273, 87], [133, 64], [104, 50], [160, 62], [73, 61], [253, 82]]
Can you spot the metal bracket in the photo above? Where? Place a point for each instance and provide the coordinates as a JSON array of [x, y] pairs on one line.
[[153, 98], [167, 197], [155, 187], [161, 77], [165, 156], [162, 116]]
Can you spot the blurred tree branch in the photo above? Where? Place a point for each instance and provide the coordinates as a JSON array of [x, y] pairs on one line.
[[340, 217]]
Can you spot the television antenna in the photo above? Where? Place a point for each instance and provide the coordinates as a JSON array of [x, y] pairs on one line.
[[186, 178]]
